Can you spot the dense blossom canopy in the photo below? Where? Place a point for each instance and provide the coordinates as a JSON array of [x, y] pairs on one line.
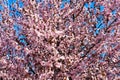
[[60, 39]]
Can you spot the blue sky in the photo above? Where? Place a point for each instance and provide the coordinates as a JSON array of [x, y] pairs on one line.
[[1, 8], [0, 17], [21, 38], [112, 31], [86, 5], [102, 55], [14, 12], [20, 4], [63, 3], [9, 3], [100, 24], [114, 12], [92, 5], [37, 1], [17, 29], [101, 8]]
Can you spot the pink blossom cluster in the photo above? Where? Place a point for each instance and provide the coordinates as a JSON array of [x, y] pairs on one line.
[[60, 40]]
